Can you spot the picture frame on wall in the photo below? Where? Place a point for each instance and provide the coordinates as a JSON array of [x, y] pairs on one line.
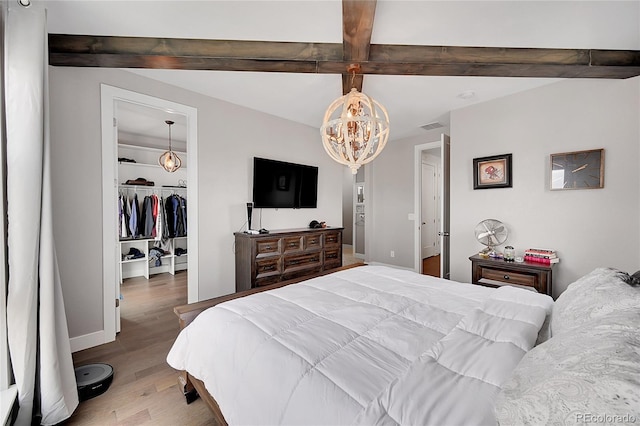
[[492, 172], [577, 170]]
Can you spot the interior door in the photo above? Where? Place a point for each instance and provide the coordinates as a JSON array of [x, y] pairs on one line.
[[430, 240], [445, 149]]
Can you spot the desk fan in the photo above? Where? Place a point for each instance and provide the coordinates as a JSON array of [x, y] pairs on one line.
[[491, 233]]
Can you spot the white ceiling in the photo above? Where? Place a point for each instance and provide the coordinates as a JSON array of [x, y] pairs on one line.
[[412, 101]]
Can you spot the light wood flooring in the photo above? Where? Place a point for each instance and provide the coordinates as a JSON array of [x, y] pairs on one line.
[[145, 388]]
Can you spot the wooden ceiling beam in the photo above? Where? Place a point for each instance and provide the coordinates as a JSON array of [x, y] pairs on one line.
[[198, 48], [327, 58], [357, 25]]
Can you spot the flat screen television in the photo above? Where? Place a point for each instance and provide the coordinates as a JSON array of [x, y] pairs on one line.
[[278, 184]]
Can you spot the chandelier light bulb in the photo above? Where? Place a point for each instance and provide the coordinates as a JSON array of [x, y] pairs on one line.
[[355, 129]]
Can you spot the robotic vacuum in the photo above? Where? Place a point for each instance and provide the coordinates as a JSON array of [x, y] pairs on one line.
[[93, 380]]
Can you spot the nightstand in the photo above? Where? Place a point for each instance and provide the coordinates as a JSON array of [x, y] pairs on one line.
[[496, 272]]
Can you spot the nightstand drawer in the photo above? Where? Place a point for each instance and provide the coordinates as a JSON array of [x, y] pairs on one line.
[[510, 277], [497, 272]]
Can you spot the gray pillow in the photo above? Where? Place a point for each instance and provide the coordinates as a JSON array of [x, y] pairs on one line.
[[598, 294], [589, 374]]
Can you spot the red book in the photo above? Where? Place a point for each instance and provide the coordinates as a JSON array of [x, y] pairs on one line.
[[545, 261]]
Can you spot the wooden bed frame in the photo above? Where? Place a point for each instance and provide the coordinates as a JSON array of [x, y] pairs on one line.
[[192, 387]]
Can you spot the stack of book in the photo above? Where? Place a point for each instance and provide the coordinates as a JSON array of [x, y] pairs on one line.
[[545, 256]]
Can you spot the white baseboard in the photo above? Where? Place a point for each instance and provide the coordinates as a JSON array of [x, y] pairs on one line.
[[87, 341], [390, 266]]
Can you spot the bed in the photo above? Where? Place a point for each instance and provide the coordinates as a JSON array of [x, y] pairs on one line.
[[378, 345]]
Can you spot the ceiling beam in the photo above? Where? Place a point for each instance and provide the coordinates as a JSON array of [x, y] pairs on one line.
[[327, 58], [357, 25]]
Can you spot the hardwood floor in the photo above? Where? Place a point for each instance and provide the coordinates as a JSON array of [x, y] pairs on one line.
[[348, 258], [431, 266], [145, 388]]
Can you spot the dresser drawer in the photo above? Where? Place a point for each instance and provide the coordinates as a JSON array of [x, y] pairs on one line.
[[267, 280], [332, 258], [313, 241], [292, 244], [332, 238], [303, 260], [510, 277], [267, 247], [268, 266]]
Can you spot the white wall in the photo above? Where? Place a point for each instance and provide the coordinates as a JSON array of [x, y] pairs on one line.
[[392, 186], [228, 138], [347, 206], [588, 228]]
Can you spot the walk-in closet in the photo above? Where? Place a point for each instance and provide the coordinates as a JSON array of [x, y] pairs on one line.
[[151, 205]]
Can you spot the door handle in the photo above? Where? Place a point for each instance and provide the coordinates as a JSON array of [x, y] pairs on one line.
[[443, 234]]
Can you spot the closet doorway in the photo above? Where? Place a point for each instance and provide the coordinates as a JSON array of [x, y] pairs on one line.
[[431, 189], [135, 135]]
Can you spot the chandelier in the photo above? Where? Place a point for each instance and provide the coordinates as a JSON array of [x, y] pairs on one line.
[[355, 128], [170, 160]]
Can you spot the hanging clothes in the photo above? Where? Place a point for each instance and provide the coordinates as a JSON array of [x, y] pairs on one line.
[[161, 234], [154, 214], [170, 217], [154, 217], [183, 207], [123, 218], [133, 220], [148, 221]]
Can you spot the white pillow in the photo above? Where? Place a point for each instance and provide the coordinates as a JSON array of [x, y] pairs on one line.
[[590, 374], [596, 295]]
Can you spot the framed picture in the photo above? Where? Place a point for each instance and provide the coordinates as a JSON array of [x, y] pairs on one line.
[[578, 170], [492, 172]]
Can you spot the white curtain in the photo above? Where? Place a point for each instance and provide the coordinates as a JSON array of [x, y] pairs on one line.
[[36, 323]]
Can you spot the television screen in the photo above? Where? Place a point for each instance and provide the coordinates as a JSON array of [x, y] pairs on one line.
[[277, 184]]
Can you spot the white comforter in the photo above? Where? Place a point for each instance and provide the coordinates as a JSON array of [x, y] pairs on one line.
[[370, 345]]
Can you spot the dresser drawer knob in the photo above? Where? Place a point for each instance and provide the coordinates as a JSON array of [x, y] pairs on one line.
[[506, 277]]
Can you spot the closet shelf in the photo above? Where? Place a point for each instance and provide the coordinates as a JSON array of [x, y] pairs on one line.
[[152, 188], [143, 266], [139, 259], [144, 165], [148, 148]]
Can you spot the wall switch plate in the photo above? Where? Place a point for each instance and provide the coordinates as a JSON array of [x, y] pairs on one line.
[[392, 254]]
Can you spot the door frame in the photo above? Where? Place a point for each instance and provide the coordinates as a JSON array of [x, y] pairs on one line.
[[109, 95], [418, 149]]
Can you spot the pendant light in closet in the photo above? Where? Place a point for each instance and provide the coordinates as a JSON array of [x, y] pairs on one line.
[[170, 160]]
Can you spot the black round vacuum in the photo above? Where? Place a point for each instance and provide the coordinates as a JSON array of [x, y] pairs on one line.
[[93, 380]]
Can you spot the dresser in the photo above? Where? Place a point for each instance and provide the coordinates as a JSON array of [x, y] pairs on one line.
[[496, 272], [263, 259]]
